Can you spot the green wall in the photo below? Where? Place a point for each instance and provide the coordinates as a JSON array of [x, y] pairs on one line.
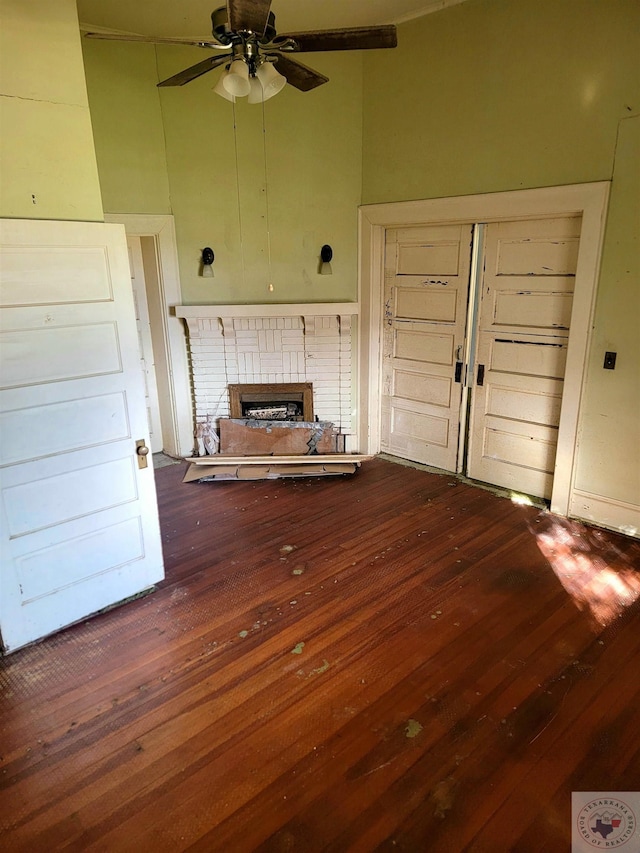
[[609, 446], [175, 150], [47, 160], [127, 126], [265, 222], [495, 95]]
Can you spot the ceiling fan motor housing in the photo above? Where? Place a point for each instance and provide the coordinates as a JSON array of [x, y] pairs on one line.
[[221, 32]]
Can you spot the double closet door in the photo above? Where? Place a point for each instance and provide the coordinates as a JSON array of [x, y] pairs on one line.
[[475, 332]]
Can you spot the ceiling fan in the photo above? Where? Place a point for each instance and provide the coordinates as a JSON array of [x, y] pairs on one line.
[[245, 30]]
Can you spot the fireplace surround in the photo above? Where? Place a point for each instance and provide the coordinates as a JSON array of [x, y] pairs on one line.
[[311, 343]]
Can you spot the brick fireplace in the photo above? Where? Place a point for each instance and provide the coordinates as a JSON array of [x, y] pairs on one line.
[[269, 344]]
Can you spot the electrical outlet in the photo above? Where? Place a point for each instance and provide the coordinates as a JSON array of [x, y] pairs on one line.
[[610, 360]]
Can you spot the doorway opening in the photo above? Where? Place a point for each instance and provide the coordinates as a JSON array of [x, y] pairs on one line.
[[139, 248], [155, 236]]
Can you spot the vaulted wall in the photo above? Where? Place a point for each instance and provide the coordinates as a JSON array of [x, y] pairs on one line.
[[47, 159], [127, 126], [494, 95]]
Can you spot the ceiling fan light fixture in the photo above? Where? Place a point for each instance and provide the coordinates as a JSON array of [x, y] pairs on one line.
[[270, 80], [236, 80], [247, 30]]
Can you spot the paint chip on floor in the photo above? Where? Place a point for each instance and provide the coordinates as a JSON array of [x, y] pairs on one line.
[[412, 729], [297, 649]]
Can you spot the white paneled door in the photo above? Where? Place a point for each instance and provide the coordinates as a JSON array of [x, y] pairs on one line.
[[78, 515], [426, 291], [497, 344], [523, 333]]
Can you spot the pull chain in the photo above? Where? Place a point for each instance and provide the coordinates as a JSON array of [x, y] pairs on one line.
[[235, 143], [266, 199]]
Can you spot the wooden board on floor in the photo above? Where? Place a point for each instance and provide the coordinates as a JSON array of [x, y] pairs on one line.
[[272, 471], [277, 438], [324, 458]]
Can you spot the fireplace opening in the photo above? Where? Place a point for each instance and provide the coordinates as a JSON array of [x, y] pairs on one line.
[[278, 410], [282, 401]]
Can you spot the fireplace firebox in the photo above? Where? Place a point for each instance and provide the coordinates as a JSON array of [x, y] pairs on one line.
[[286, 401]]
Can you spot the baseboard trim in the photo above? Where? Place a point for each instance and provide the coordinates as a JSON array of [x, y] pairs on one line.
[[606, 512]]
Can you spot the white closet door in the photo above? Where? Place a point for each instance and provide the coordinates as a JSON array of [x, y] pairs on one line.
[[522, 339], [426, 291]]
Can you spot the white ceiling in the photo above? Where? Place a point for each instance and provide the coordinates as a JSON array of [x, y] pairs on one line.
[[192, 18]]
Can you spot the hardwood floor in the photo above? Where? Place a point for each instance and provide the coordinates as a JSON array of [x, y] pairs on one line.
[[390, 661]]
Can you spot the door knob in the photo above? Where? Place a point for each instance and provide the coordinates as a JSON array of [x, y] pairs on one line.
[[142, 451]]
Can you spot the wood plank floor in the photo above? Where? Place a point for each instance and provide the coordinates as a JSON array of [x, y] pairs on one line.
[[389, 661]]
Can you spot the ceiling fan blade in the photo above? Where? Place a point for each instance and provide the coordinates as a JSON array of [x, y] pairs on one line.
[[196, 70], [351, 38], [249, 15], [298, 75], [152, 39]]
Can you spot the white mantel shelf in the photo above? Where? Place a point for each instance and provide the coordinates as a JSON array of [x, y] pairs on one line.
[[272, 309]]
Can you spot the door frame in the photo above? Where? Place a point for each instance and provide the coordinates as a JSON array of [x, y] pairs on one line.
[[586, 200], [169, 339]]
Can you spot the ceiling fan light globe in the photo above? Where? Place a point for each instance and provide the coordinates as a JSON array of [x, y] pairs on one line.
[[271, 80], [256, 95], [219, 89], [236, 80]]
